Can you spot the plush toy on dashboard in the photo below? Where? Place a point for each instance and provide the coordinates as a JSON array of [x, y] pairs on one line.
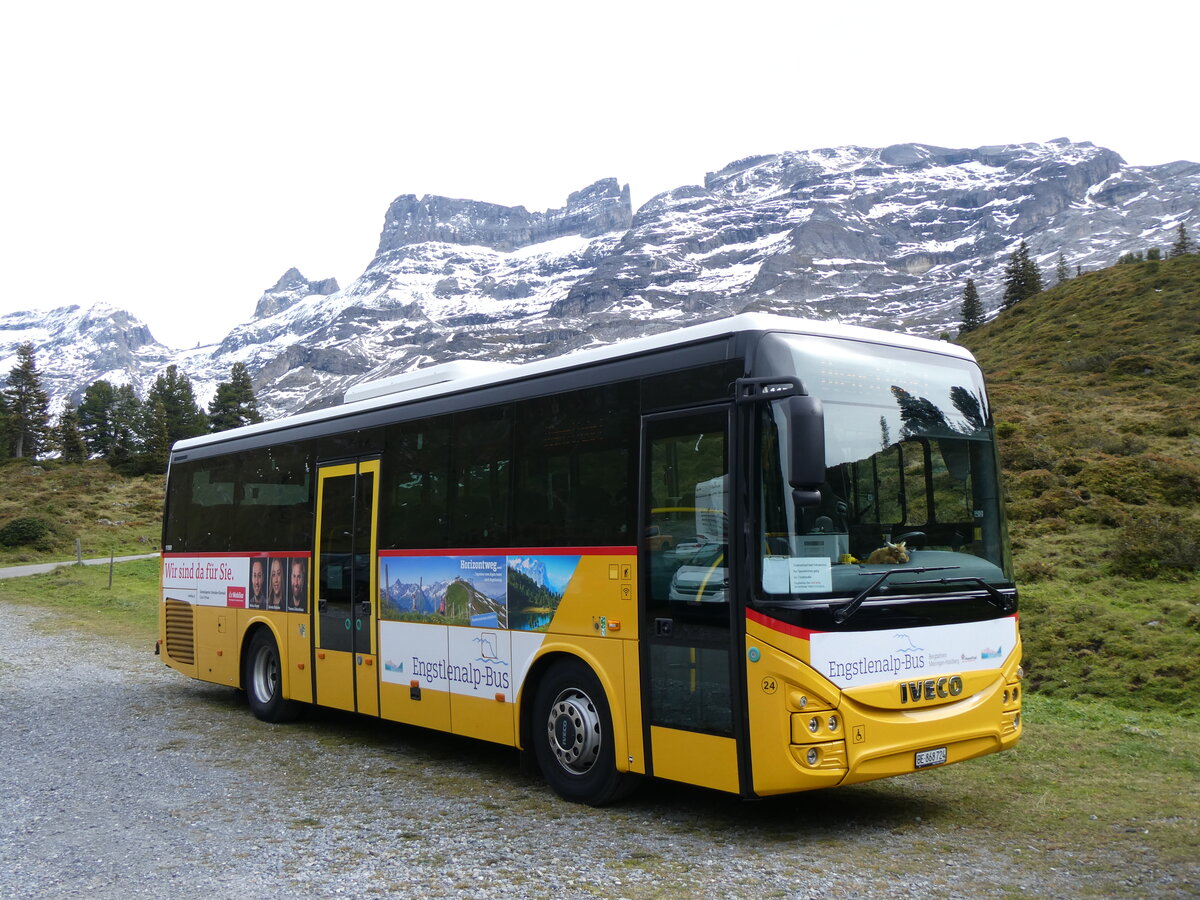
[[891, 554]]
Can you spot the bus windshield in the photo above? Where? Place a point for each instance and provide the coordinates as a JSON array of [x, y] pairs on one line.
[[910, 479]]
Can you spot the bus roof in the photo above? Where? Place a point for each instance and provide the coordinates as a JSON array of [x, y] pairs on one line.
[[465, 375]]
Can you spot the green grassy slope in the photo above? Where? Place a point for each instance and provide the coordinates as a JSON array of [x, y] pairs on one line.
[[105, 511], [1094, 386]]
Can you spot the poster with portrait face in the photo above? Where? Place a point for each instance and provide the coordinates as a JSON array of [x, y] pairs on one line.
[[258, 581], [297, 587], [205, 580], [277, 583], [256, 593]]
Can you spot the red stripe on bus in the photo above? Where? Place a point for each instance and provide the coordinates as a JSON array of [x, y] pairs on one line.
[[272, 554], [781, 627], [518, 551]]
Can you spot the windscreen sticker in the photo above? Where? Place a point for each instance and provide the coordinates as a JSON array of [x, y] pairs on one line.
[[797, 575], [810, 574], [856, 658]]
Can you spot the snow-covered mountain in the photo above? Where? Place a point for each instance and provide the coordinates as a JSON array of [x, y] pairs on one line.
[[77, 346], [410, 597], [884, 237]]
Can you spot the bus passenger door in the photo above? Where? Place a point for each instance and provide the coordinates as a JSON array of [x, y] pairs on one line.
[[346, 665], [686, 626]]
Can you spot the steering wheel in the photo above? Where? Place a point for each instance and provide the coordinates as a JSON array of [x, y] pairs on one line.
[[911, 539]]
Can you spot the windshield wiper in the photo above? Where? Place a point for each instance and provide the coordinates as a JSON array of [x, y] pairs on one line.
[[995, 597], [842, 613]]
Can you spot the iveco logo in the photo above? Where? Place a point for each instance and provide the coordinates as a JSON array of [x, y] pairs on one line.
[[930, 689]]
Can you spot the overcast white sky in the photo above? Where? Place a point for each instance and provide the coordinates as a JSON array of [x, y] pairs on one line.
[[175, 159]]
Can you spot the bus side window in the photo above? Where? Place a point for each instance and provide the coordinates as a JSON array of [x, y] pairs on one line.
[[416, 476], [178, 508], [274, 508], [212, 505], [482, 454], [577, 455]]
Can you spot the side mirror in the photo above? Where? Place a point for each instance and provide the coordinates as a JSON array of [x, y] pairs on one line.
[[806, 440]]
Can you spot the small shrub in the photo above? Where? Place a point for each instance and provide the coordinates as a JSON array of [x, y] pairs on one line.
[[1135, 364], [1035, 570], [1158, 545], [1021, 456], [1129, 479], [1095, 363], [1057, 502], [25, 530], [1053, 525], [1035, 482], [1178, 479], [1071, 466], [1101, 511], [1022, 511], [1120, 444]]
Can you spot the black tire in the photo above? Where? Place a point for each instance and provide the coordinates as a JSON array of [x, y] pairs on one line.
[[262, 680], [573, 738]]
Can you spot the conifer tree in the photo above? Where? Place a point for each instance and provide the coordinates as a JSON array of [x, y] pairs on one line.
[[28, 405], [183, 416], [156, 436], [972, 308], [95, 414], [1062, 271], [70, 438], [5, 429], [1033, 274], [1022, 277], [234, 404], [1183, 243], [126, 425]]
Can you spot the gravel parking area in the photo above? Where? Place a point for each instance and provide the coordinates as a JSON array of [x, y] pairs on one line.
[[120, 778]]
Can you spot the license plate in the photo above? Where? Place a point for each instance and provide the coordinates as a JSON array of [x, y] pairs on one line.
[[927, 758]]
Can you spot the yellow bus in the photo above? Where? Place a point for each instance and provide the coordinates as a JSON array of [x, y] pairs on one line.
[[759, 555]]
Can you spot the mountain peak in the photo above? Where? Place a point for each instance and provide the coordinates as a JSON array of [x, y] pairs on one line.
[[291, 287], [601, 207]]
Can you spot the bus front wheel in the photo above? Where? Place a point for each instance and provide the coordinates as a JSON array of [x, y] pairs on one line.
[[262, 679], [573, 737]]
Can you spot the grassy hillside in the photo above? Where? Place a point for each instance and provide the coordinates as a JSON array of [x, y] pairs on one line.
[[1094, 386], [107, 512]]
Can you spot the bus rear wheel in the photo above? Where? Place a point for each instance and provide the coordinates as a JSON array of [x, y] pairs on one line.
[[262, 679], [573, 737]]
